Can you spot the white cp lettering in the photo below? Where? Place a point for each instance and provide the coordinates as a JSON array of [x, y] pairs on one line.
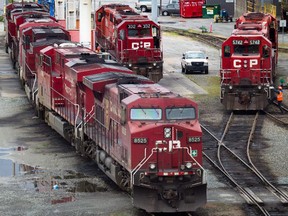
[[141, 44], [237, 63]]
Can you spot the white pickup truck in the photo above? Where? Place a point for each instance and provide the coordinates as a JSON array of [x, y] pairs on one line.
[[146, 5]]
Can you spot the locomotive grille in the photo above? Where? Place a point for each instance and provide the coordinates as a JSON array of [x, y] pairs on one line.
[[197, 63]]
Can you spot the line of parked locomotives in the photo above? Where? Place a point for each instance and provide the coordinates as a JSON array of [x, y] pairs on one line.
[[147, 139]]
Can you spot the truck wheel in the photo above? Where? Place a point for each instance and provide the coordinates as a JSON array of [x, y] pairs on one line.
[[165, 13], [143, 8], [183, 69], [206, 71]]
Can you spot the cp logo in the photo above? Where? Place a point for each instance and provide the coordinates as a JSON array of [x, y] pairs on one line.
[[141, 44], [237, 63]]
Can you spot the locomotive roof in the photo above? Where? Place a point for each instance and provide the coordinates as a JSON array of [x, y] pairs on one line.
[[74, 51], [256, 16], [147, 90], [95, 62], [124, 12], [24, 5], [17, 10], [48, 42], [97, 82], [48, 30]]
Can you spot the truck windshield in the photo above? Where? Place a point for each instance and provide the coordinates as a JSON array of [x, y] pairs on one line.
[[195, 55], [146, 114], [180, 113]]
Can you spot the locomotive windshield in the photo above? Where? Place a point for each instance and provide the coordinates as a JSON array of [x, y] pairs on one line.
[[180, 113], [139, 32], [246, 49], [146, 114]]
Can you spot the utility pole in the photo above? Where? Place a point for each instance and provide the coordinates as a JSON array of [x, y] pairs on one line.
[[154, 9]]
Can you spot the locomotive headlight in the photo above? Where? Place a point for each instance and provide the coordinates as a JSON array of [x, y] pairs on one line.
[[154, 64], [230, 87], [152, 166], [188, 165], [259, 87], [167, 132], [129, 65]]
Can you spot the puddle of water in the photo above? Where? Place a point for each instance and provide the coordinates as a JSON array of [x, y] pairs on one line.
[[61, 191], [17, 148], [87, 187], [9, 168]]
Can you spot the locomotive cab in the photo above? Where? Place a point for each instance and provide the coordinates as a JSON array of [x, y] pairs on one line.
[[166, 146], [247, 69], [131, 38]]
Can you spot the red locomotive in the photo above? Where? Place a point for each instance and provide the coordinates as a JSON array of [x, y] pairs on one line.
[[16, 8], [132, 39], [147, 139], [248, 61]]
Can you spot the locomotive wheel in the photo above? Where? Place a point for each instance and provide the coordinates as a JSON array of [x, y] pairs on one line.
[[125, 180]]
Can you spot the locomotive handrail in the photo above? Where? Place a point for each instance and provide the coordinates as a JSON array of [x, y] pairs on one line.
[[129, 54], [76, 105], [34, 83], [228, 71], [88, 114], [153, 150], [138, 166]]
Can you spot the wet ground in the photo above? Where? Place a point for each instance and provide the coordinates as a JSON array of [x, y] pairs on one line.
[[40, 173]]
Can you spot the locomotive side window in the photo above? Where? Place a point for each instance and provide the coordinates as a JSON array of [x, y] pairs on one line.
[[227, 51], [57, 58], [122, 34], [100, 15], [180, 113], [265, 52], [156, 36], [145, 114]]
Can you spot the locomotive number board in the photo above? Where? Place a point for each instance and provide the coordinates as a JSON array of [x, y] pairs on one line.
[[138, 26], [254, 42], [251, 42]]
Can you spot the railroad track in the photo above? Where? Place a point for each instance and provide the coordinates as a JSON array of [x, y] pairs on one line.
[[231, 156], [207, 38], [210, 39], [275, 115]]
